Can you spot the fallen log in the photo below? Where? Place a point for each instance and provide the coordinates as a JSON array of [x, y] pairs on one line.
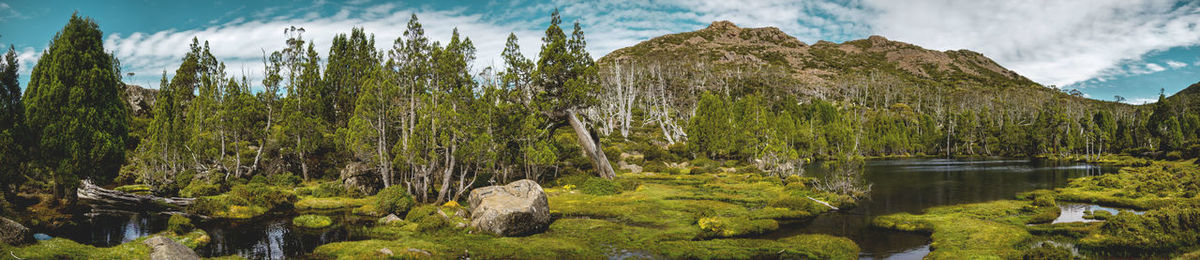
[[101, 198], [823, 203]]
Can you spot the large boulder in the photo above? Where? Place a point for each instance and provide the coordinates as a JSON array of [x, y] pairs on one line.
[[165, 248], [14, 233], [519, 208], [361, 177]]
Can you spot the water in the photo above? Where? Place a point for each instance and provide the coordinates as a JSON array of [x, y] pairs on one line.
[[912, 185], [1073, 212], [267, 237], [909, 185]]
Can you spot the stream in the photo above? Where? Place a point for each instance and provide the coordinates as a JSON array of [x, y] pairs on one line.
[[898, 185]]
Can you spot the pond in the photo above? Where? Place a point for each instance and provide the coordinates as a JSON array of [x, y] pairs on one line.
[[904, 185], [266, 237], [912, 185]]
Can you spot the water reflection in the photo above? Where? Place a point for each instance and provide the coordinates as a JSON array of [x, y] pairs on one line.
[[912, 185]]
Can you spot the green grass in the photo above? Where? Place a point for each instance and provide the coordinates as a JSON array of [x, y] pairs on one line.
[[703, 216], [331, 203], [61, 248], [1153, 185], [312, 221], [990, 230]]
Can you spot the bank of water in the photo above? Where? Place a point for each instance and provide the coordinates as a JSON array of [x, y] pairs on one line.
[[265, 237], [913, 185]]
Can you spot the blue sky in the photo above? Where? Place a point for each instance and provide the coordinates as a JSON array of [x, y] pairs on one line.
[[1102, 47]]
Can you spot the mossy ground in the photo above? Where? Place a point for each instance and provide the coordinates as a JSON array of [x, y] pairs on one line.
[[705, 216], [62, 248], [1147, 185], [312, 221], [989, 230]]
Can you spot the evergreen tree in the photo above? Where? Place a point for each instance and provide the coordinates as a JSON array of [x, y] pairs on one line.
[[351, 59], [74, 109], [11, 133]]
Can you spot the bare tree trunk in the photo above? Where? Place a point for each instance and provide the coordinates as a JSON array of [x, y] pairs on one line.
[[590, 147]]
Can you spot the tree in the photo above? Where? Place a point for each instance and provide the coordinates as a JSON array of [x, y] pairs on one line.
[[350, 62], [74, 108], [517, 71], [567, 77], [11, 132], [303, 126]]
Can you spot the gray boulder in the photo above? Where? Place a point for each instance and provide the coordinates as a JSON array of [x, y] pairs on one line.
[[14, 233], [519, 208], [361, 177], [165, 248]]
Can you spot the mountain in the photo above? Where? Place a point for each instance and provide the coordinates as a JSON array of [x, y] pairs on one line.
[[875, 71]]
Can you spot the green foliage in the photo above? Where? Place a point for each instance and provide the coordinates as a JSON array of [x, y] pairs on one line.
[[74, 108], [394, 200], [600, 186], [1159, 230], [179, 224], [283, 180], [13, 140], [200, 188], [312, 221]]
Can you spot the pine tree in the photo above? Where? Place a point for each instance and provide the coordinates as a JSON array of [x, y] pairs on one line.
[[350, 62], [74, 109], [11, 130]]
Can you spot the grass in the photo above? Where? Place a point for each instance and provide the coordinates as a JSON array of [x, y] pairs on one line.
[[312, 221], [62, 248], [1153, 185], [703, 216], [990, 230], [331, 203]]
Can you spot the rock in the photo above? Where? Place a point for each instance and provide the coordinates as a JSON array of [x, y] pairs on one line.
[[141, 100], [633, 168], [42, 237], [14, 233], [361, 177], [419, 252], [519, 208], [165, 248], [389, 219], [387, 252]]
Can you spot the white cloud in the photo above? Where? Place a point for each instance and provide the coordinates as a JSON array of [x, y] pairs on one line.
[[1176, 64], [1140, 101], [1056, 42], [1154, 67], [240, 43]]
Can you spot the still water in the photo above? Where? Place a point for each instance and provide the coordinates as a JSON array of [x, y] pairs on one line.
[[912, 185], [906, 185]]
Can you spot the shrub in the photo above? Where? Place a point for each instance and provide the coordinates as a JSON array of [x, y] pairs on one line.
[[258, 194], [600, 186], [258, 179], [312, 221], [286, 179], [179, 224], [393, 200], [200, 188], [1174, 155]]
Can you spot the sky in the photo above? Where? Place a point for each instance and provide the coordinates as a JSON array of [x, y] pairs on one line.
[[1104, 48]]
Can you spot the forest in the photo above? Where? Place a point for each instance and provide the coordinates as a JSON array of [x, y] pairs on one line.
[[668, 149]]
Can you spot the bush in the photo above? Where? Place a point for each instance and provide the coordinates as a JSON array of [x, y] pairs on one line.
[[426, 218], [286, 179], [1174, 156], [258, 194], [259, 179], [333, 189], [179, 224], [600, 186], [393, 200], [312, 221], [200, 188]]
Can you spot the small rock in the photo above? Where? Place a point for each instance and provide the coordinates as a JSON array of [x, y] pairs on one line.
[[633, 168], [519, 208], [14, 233], [460, 213], [419, 252], [389, 219], [167, 249], [387, 252], [42, 237]]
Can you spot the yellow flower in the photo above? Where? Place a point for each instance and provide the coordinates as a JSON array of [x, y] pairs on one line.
[[453, 204]]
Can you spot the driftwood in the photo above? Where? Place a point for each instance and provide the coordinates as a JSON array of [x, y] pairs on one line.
[[102, 199], [823, 203]]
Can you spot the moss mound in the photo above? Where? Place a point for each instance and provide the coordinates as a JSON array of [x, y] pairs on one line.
[[312, 221]]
